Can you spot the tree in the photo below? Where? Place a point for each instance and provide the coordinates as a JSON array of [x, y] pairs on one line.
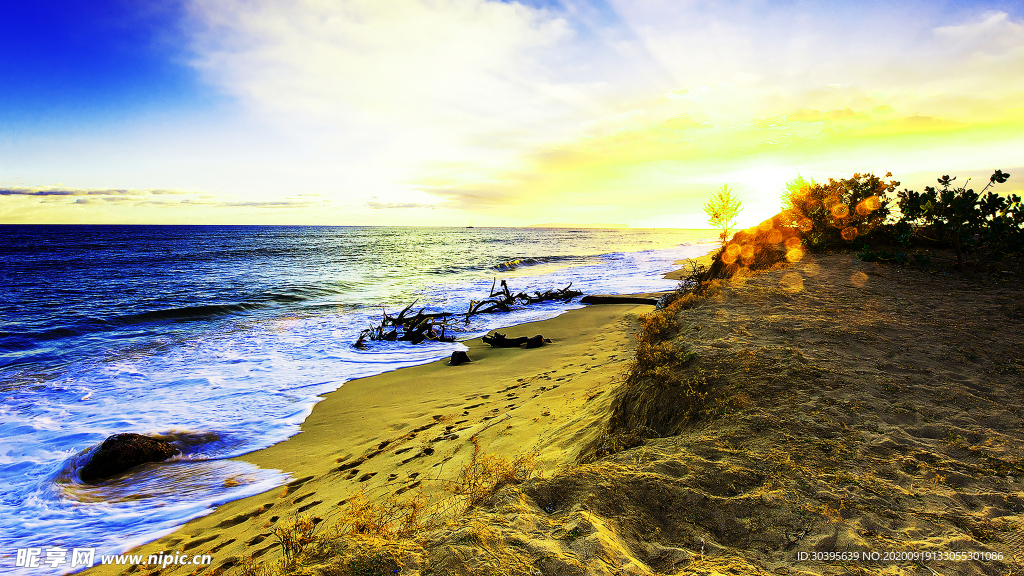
[[722, 210]]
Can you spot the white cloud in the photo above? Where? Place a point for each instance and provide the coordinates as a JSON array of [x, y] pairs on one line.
[[397, 74]]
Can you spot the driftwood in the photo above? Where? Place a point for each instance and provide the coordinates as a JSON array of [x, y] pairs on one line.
[[615, 299], [421, 326], [459, 357], [498, 340], [409, 328], [502, 300]]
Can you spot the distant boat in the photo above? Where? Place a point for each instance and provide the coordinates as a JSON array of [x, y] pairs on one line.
[[470, 224]]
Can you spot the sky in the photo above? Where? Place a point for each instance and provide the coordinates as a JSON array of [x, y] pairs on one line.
[[487, 113]]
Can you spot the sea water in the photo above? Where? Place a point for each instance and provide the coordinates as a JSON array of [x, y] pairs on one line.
[[222, 338]]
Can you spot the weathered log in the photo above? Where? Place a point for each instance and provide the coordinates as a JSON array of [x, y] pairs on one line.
[[613, 299], [459, 357], [537, 341], [417, 327], [498, 340]]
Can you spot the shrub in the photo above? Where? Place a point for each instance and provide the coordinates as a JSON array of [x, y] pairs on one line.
[[839, 213], [968, 221]]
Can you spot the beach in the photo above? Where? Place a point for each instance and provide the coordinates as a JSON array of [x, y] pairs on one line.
[[839, 417], [548, 400]]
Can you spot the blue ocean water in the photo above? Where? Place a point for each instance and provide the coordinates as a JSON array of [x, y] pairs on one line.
[[222, 338]]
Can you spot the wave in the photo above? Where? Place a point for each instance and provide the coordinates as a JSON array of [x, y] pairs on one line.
[[533, 261]]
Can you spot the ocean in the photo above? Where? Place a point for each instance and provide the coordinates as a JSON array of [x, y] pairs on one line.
[[223, 338]]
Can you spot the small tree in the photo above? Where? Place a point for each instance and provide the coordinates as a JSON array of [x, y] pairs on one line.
[[722, 210]]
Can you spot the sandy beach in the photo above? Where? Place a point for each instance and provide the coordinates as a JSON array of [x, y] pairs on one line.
[[396, 431], [828, 417]]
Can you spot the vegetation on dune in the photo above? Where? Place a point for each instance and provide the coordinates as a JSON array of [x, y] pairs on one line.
[[969, 222], [855, 213], [835, 214], [862, 213], [378, 536]]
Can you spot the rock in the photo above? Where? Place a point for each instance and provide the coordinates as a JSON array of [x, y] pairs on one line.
[[459, 357], [122, 452]]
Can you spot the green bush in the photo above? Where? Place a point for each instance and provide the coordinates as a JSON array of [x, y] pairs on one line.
[[988, 225]]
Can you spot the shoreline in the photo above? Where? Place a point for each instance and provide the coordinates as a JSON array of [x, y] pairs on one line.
[[422, 419]]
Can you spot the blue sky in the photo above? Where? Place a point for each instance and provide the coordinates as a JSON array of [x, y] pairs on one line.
[[411, 112], [66, 63]]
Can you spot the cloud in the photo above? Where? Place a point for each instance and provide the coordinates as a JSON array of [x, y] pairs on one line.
[[156, 197], [397, 205], [58, 191]]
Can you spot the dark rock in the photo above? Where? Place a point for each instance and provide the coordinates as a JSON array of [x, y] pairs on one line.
[[459, 357], [122, 452]]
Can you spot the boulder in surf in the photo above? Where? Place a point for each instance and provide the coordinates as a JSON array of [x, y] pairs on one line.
[[122, 452]]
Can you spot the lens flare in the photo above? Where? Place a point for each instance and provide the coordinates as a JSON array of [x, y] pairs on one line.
[[792, 282]]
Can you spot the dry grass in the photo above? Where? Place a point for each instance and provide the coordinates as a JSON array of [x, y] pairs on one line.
[[484, 475], [371, 536]]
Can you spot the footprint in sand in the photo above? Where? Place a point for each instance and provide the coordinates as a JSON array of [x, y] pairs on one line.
[[236, 520], [407, 488], [291, 486], [302, 509], [303, 497], [221, 546], [198, 541], [264, 550]]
